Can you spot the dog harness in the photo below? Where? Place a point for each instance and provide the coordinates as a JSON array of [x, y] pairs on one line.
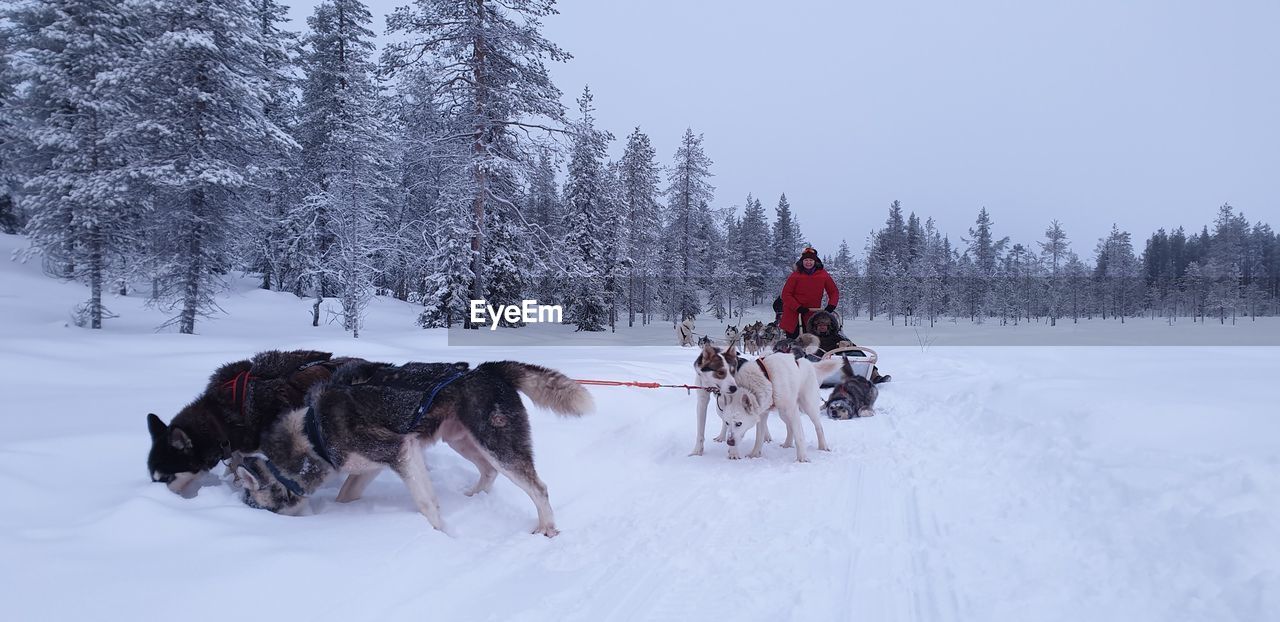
[[289, 483], [425, 406], [239, 386], [764, 370], [315, 434]]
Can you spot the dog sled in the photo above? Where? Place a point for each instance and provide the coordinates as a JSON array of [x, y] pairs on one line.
[[861, 358]]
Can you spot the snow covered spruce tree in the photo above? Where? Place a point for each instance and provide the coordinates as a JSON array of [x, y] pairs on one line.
[[786, 240], [584, 198], [638, 176], [984, 251], [267, 241], [431, 210], [485, 59], [545, 215], [1116, 275], [887, 258], [755, 252], [67, 122], [688, 193], [197, 132], [1053, 250], [345, 159], [11, 219]]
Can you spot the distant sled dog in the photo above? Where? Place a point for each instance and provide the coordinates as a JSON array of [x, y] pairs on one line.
[[240, 401], [373, 415], [684, 332]]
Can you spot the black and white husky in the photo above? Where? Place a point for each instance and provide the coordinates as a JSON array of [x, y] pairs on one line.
[[374, 415], [746, 392]]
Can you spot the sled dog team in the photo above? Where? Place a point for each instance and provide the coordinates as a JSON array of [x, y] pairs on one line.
[[287, 421]]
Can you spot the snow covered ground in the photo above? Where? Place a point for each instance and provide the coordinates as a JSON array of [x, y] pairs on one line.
[[1012, 483]]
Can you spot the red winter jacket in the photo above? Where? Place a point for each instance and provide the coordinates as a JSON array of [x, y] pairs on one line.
[[805, 290]]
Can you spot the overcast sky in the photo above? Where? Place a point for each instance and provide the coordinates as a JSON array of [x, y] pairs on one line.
[[1145, 113]]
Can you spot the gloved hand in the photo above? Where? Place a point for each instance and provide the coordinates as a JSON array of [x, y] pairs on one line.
[[802, 310], [831, 308]]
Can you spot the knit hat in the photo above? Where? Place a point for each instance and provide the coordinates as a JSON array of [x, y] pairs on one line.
[[809, 253]]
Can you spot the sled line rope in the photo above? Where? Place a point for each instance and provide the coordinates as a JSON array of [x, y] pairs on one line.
[[642, 385]]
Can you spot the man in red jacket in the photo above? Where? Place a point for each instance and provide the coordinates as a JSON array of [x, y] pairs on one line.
[[802, 294]]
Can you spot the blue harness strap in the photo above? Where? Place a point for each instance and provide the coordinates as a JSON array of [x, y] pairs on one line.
[[425, 406], [315, 434], [288, 482]]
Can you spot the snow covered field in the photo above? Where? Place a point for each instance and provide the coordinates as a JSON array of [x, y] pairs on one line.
[[996, 483]]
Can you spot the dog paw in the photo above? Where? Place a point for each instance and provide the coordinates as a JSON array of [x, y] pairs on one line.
[[549, 531], [754, 454], [787, 445], [697, 451], [733, 454], [719, 439], [802, 459]]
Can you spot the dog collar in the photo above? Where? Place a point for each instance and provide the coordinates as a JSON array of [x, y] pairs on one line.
[[289, 483]]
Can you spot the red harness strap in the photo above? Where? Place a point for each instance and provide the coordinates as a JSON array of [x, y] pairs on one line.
[[763, 369], [239, 386]]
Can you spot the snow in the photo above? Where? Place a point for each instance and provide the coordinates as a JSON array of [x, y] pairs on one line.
[[995, 483]]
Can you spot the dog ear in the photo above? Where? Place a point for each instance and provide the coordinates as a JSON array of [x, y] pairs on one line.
[[179, 439], [156, 426], [246, 479], [708, 350], [731, 356]]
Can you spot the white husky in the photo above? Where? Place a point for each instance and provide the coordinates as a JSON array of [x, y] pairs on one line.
[[684, 332], [748, 392]]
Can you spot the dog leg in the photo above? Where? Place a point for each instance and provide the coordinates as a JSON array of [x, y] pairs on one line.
[[412, 468], [724, 433], [354, 487], [703, 399], [733, 439], [528, 481], [466, 446], [809, 404], [795, 429], [790, 438], [514, 459], [762, 430]]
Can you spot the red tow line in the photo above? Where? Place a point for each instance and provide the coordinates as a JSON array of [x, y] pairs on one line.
[[642, 385]]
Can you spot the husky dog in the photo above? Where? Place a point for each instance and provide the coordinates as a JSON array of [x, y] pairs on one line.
[[731, 335], [855, 396], [714, 369], [768, 336], [749, 333], [241, 399], [684, 333], [781, 381], [372, 415]]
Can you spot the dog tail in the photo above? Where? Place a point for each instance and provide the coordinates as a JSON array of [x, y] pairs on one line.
[[826, 367], [807, 342], [547, 388]]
